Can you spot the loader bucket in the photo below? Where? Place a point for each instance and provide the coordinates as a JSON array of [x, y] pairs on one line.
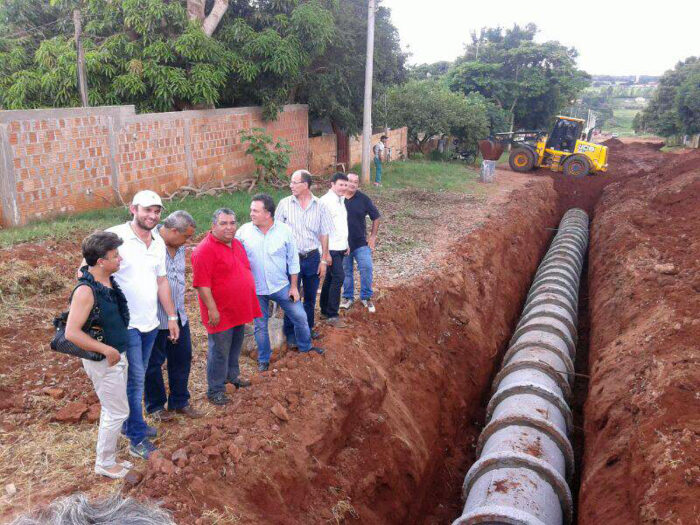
[[491, 149]]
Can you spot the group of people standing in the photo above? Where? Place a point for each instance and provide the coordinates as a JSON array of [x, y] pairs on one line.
[[133, 277]]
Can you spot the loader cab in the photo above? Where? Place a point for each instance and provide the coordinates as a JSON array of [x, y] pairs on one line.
[[565, 133]]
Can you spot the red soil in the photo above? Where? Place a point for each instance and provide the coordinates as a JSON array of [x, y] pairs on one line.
[[381, 428], [642, 415], [385, 420]]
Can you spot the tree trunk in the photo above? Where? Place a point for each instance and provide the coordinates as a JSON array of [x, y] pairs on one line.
[[196, 11], [82, 80], [211, 22]]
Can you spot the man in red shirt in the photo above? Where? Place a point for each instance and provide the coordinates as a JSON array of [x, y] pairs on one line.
[[227, 301]]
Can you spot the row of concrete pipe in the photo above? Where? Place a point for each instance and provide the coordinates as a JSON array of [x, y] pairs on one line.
[[525, 456]]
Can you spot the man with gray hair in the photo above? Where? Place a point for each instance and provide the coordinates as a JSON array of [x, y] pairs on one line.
[[227, 301], [176, 230], [311, 223]]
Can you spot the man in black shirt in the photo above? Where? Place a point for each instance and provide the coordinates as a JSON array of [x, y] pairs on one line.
[[360, 249]]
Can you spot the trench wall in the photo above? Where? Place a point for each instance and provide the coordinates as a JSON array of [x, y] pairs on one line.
[[642, 437], [56, 161]]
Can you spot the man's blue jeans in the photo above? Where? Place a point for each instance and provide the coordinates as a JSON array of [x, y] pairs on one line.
[[138, 354], [179, 357], [378, 174], [363, 256], [222, 358], [297, 316], [308, 277]]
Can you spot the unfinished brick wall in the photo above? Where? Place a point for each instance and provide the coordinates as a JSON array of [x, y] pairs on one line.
[[151, 155], [398, 142], [56, 163], [322, 154], [69, 160]]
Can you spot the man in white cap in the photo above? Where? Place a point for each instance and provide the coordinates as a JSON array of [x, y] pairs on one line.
[[142, 277]]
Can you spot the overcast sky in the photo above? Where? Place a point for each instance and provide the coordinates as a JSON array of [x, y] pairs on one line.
[[614, 37]]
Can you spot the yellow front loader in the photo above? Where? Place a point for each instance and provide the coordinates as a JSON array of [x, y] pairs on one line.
[[563, 150]]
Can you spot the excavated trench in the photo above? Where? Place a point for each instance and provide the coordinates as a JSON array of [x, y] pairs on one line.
[[568, 194], [383, 430]]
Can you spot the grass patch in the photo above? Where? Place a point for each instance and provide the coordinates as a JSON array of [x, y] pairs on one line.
[[426, 175], [19, 279], [622, 121], [672, 149]]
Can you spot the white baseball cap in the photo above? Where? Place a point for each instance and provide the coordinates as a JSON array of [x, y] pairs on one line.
[[146, 198]]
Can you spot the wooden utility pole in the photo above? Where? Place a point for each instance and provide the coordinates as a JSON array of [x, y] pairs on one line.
[[82, 80], [367, 117]]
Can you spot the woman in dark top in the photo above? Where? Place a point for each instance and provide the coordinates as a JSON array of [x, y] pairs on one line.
[[97, 287]]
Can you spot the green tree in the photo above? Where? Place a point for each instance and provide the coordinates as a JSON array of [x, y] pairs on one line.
[[529, 80], [429, 108], [434, 70], [160, 54], [333, 85], [674, 108], [688, 103], [164, 55]]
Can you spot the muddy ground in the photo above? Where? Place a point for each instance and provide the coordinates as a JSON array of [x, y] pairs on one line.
[[381, 429]]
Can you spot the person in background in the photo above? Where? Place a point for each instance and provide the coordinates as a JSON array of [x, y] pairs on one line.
[[227, 301], [176, 230], [97, 286], [273, 257], [379, 155], [359, 206], [311, 223], [337, 247], [143, 279]]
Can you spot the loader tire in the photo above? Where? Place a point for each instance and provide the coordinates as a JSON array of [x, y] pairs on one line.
[[521, 160], [577, 166]]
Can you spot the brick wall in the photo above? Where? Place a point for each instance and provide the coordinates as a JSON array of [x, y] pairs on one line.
[[322, 154], [398, 142], [69, 160]]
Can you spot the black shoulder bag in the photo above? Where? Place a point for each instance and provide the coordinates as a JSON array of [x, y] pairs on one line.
[[59, 343]]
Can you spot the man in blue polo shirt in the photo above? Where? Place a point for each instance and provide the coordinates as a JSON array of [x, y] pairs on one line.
[[274, 260]]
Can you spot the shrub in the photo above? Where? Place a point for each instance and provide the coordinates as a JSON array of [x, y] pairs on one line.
[[271, 158]]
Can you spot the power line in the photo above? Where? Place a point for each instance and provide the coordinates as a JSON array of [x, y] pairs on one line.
[[32, 29]]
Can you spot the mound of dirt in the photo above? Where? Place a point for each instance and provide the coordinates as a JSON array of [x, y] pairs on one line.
[[642, 422]]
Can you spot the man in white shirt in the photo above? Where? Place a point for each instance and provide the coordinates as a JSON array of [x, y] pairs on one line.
[[337, 246], [142, 277], [379, 156]]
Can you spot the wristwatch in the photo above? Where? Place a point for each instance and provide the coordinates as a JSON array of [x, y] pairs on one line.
[[173, 318]]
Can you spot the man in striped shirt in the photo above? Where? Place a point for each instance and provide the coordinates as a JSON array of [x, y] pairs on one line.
[[311, 224], [175, 231]]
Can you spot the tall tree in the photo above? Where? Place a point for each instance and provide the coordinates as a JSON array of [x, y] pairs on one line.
[[429, 108], [674, 108], [531, 81], [161, 54], [333, 85]]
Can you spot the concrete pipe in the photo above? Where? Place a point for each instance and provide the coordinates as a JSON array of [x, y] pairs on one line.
[[525, 456]]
